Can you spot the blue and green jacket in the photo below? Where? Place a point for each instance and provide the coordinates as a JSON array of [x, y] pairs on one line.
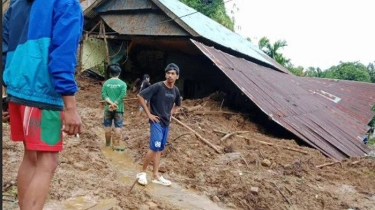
[[40, 41]]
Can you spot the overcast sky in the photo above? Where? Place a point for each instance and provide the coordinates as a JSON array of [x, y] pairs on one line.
[[319, 33]]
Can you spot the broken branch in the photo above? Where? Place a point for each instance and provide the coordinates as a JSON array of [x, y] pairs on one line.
[[126, 99], [271, 144], [215, 112], [220, 132], [290, 203], [326, 164], [355, 162], [199, 136], [244, 160], [180, 136], [190, 109], [135, 181], [233, 133], [8, 199]]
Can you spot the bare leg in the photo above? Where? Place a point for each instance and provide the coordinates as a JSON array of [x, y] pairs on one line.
[[108, 136], [149, 156], [118, 143], [118, 131], [156, 162], [25, 174], [36, 193]]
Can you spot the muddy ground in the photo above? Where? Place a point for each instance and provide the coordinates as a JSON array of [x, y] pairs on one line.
[[255, 170]]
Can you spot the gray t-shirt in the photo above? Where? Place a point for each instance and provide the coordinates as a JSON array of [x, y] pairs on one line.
[[161, 100]]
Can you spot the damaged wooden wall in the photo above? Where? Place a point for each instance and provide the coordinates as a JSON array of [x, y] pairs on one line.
[[93, 56]]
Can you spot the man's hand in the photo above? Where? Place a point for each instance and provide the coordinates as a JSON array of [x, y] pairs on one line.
[[112, 107], [5, 117], [154, 118], [72, 122]]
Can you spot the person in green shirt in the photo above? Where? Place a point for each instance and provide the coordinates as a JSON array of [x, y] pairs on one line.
[[113, 92]]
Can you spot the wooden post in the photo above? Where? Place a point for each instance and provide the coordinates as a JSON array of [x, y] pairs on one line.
[[102, 26], [80, 53]]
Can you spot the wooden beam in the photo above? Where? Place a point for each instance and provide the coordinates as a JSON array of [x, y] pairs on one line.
[[106, 48], [103, 36]]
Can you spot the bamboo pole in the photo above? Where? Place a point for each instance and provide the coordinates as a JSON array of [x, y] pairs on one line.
[[197, 134], [106, 48]]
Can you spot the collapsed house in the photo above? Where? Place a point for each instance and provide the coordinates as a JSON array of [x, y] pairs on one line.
[[144, 35]]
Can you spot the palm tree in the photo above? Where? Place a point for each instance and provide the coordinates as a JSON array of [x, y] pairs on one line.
[[271, 50]]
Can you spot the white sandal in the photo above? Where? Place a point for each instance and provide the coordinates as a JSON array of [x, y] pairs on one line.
[[161, 181], [142, 179]]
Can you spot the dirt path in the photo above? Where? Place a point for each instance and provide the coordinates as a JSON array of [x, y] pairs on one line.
[[175, 195]]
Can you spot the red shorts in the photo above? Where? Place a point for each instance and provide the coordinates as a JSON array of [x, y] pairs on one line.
[[39, 129]]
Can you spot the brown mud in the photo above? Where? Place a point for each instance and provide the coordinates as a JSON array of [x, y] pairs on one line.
[[249, 174]]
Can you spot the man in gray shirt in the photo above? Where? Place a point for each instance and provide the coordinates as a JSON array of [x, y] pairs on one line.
[[164, 97]]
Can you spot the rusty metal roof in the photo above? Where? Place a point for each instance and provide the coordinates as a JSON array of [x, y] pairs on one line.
[[211, 30], [195, 23], [116, 5], [287, 101], [354, 98], [129, 24]]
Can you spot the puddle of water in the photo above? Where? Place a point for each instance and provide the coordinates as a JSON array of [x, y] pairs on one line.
[[82, 203], [79, 203], [175, 194]]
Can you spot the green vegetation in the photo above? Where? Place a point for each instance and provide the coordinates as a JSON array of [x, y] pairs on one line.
[[371, 141], [214, 9], [355, 71]]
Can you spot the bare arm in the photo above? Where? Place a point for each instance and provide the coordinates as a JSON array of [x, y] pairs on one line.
[[173, 111], [72, 120], [174, 108]]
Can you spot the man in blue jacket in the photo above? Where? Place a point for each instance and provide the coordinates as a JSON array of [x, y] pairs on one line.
[[40, 40]]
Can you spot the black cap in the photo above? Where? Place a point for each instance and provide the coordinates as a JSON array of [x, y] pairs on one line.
[[172, 66]]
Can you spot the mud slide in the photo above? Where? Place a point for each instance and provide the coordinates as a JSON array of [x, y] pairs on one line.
[[120, 162], [174, 195]]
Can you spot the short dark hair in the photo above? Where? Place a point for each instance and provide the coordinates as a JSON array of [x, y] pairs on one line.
[[114, 69], [172, 66], [146, 76]]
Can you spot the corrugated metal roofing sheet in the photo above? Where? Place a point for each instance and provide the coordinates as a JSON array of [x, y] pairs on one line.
[[116, 5], [209, 29], [199, 23], [129, 24], [290, 104], [354, 98]]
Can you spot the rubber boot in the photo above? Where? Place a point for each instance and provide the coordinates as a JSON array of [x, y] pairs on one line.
[[117, 144]]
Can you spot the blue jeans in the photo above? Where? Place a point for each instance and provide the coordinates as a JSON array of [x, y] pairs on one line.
[[116, 117]]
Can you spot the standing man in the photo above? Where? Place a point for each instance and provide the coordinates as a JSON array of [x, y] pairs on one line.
[[163, 97], [145, 84], [113, 92], [39, 44]]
